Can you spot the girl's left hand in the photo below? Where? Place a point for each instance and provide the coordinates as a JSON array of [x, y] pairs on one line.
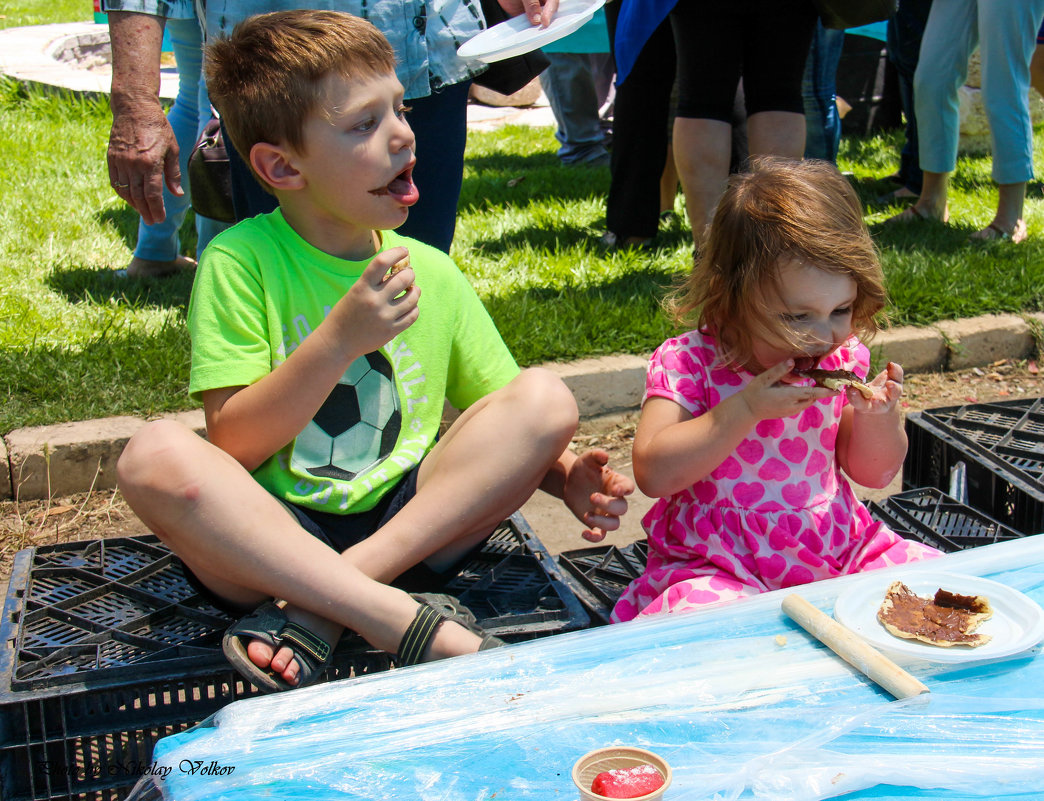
[[596, 494], [888, 389]]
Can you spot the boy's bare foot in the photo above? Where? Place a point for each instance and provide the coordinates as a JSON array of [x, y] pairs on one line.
[[149, 268]]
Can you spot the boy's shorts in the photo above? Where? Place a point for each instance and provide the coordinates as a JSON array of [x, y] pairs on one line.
[[341, 532]]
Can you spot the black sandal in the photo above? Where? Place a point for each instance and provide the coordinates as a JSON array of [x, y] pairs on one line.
[[268, 623], [433, 610]]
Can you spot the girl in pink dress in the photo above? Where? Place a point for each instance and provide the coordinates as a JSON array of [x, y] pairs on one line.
[[745, 454]]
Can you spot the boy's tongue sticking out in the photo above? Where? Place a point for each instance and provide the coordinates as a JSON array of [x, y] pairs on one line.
[[401, 188]]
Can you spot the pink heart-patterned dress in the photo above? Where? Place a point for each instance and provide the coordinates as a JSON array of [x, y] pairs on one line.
[[776, 513]]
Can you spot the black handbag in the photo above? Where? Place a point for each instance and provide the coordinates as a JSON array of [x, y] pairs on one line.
[[209, 175], [841, 14], [511, 74]]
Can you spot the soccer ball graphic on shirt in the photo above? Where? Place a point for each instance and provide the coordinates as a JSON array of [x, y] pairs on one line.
[[356, 427]]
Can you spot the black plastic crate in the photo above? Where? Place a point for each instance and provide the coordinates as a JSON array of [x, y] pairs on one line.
[[599, 575], [934, 518], [1002, 447], [107, 649]]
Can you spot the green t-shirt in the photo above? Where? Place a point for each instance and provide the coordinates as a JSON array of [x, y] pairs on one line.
[[260, 289]]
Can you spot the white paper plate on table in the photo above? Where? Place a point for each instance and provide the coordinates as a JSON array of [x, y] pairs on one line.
[[1016, 626], [518, 35]]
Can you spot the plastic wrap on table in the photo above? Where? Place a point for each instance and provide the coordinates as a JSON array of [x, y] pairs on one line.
[[739, 700]]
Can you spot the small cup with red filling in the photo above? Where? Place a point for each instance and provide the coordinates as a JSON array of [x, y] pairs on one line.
[[621, 772]]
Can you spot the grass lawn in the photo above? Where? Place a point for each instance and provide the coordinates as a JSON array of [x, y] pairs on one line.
[[78, 342]]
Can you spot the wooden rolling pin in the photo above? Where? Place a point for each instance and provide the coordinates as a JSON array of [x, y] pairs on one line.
[[863, 657]]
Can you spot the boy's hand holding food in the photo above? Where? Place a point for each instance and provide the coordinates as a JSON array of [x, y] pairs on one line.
[[381, 304]]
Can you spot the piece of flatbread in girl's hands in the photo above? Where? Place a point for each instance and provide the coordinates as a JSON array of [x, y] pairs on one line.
[[839, 379], [947, 619]]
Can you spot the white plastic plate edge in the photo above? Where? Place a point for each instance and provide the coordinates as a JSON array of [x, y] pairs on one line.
[[518, 35], [1016, 626]]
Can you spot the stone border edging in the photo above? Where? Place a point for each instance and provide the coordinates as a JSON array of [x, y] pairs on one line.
[[62, 459]]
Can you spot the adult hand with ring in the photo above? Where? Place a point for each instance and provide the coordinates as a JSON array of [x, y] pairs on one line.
[[143, 152]]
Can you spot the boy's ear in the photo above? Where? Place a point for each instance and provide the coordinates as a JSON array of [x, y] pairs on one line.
[[275, 166]]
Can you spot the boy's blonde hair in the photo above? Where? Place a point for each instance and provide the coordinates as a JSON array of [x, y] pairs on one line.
[[777, 210], [266, 78]]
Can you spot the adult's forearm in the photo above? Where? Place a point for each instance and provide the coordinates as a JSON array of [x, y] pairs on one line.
[[136, 41], [143, 151]]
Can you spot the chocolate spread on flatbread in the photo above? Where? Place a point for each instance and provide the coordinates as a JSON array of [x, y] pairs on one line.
[[947, 619], [836, 379]]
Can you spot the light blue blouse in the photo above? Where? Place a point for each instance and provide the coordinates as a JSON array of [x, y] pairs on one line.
[[425, 34]]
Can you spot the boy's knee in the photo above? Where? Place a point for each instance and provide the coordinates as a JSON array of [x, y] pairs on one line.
[[150, 452], [549, 399]]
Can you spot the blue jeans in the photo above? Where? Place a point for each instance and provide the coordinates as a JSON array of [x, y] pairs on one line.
[[440, 123], [1005, 31], [569, 83], [188, 115], [905, 31], [819, 92]]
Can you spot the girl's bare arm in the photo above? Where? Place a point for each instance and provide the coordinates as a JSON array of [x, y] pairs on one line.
[[871, 442], [673, 450]]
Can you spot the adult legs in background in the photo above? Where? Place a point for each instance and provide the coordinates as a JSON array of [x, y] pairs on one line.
[[950, 36], [819, 93], [905, 32], [702, 152], [1007, 38], [569, 83], [1037, 63], [776, 133], [1004, 30], [440, 123], [640, 118], [158, 250], [765, 42]]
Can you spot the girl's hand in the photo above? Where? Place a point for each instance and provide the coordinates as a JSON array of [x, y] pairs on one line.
[[596, 493], [769, 396], [888, 389]]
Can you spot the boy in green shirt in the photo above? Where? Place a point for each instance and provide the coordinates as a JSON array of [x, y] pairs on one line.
[[323, 374]]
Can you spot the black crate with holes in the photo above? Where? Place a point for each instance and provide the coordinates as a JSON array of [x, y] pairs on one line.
[[599, 575], [930, 516], [107, 648], [1002, 448]]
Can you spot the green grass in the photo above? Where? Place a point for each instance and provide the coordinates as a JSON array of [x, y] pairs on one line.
[[18, 13], [933, 272], [77, 342]]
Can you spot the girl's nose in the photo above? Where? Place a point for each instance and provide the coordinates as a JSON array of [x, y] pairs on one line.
[[821, 333]]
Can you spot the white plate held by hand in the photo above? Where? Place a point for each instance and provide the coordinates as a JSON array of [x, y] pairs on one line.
[[518, 35], [1016, 626]]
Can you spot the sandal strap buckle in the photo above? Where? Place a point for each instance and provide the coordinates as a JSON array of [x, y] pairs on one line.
[[316, 648]]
